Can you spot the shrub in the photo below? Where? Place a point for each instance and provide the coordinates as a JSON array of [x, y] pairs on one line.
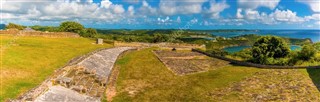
[[160, 38], [15, 26], [70, 26], [89, 32], [244, 54], [218, 52], [307, 52], [269, 47]]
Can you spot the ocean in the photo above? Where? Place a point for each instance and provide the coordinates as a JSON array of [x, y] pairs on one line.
[[314, 35]]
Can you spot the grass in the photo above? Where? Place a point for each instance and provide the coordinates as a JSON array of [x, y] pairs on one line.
[[30, 60], [143, 77]]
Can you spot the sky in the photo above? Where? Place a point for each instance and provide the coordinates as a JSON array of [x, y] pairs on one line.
[[166, 14]]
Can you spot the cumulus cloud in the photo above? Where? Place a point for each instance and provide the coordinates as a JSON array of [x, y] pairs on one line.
[[254, 4], [82, 10], [239, 13], [314, 4], [131, 10], [286, 16], [278, 16], [216, 8], [147, 9], [173, 7], [105, 3]]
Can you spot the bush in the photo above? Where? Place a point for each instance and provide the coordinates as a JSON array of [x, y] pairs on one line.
[[307, 52], [70, 26], [160, 38], [269, 47], [89, 32], [244, 54], [15, 26], [218, 52]]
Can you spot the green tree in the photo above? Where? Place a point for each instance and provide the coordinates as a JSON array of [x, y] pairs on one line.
[[160, 38], [268, 48], [71, 26], [14, 26], [307, 52], [89, 32]]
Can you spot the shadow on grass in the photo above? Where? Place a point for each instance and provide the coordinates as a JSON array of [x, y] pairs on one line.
[[314, 74]]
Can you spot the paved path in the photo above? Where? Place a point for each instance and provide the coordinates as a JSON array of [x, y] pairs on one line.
[[83, 82]]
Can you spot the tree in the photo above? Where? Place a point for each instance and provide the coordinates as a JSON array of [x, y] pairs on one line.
[[307, 52], [14, 26], [269, 47], [160, 38], [70, 26], [89, 32]]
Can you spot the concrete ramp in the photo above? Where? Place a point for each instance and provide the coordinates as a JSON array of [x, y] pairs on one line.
[[82, 81], [62, 94]]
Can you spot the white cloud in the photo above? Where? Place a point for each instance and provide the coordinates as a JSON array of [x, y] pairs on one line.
[[276, 17], [239, 13], [252, 14], [131, 10], [178, 19], [147, 9], [80, 10], [313, 17], [118, 9], [173, 7], [194, 20], [216, 8], [314, 4], [105, 3], [286, 16], [254, 4]]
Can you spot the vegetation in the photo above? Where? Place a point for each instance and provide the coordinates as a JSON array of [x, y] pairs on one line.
[[15, 26], [143, 77], [27, 61], [45, 28], [89, 32], [269, 48], [70, 26], [307, 52]]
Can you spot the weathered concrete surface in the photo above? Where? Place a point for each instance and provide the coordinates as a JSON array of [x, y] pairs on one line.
[[84, 81], [62, 94]]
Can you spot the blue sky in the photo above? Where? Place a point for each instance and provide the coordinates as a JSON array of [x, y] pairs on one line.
[[166, 14]]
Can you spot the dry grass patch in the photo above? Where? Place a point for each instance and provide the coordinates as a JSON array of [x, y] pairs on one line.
[[271, 85], [186, 62]]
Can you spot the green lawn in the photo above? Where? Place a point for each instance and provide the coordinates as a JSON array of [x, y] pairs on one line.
[[143, 77], [30, 60]]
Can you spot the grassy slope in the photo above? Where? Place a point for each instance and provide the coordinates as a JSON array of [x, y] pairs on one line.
[[29, 60], [144, 78]]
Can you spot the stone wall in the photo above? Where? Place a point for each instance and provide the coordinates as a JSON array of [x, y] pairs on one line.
[[249, 64], [50, 34], [9, 31], [39, 33], [162, 45]]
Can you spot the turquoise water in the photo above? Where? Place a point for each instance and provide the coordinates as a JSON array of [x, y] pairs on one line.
[[239, 48], [314, 35]]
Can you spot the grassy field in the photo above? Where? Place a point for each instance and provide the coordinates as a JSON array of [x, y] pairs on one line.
[[142, 77], [27, 61]]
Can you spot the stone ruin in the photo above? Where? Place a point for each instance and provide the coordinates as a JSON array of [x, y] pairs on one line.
[[82, 81]]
